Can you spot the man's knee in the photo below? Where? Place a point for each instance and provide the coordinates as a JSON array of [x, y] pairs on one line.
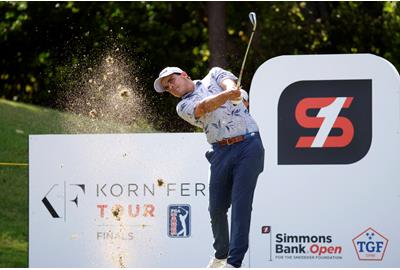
[[216, 211]]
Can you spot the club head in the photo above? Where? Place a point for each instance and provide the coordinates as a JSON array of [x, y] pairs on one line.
[[253, 19]]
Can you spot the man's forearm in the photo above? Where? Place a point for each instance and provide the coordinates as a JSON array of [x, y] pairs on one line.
[[210, 104]]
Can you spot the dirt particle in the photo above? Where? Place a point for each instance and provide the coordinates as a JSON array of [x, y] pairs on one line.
[[110, 60], [93, 113], [124, 93], [160, 182], [117, 212], [121, 262]]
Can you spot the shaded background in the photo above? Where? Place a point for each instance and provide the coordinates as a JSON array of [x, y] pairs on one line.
[[47, 46]]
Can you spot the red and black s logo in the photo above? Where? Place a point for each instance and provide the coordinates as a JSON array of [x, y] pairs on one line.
[[325, 122]]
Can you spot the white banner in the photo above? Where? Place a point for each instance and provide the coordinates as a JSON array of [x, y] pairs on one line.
[[119, 201], [328, 197]]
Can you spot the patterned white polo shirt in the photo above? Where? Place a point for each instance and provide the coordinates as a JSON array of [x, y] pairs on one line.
[[225, 122]]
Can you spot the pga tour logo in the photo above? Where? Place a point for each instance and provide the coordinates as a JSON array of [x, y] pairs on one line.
[[325, 122], [179, 217], [370, 245]]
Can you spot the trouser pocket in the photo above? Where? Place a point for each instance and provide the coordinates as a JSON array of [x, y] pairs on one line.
[[209, 154]]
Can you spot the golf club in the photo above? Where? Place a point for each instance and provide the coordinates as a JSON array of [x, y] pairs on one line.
[[253, 20]]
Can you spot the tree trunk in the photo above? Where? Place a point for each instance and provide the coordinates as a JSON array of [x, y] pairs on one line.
[[217, 34]]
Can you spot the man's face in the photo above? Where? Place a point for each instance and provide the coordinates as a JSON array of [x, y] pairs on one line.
[[177, 84]]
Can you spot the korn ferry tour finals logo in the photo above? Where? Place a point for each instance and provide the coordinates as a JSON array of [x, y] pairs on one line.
[[120, 209], [65, 198], [370, 245]]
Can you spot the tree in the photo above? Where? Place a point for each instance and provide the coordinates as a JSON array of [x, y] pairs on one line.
[[217, 36]]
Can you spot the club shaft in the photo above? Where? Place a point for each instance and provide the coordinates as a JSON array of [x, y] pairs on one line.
[[244, 60]]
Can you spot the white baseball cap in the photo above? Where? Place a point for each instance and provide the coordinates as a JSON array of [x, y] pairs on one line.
[[164, 73]]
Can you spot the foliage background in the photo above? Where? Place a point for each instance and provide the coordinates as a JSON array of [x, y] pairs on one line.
[[45, 45]]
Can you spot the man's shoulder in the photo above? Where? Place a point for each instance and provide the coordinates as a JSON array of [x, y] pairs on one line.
[[213, 73], [218, 72], [215, 70]]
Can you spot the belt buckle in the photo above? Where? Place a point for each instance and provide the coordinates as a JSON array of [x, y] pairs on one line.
[[228, 141]]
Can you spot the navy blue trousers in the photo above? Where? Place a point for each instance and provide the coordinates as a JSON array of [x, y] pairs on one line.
[[234, 172]]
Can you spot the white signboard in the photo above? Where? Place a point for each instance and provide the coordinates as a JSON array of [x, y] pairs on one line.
[[330, 191], [119, 201], [329, 195]]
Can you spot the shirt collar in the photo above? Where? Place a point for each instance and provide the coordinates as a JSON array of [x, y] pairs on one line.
[[197, 84]]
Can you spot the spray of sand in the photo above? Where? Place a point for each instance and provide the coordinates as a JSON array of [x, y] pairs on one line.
[[107, 97], [118, 249]]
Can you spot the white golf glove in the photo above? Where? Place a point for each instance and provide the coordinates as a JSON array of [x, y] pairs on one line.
[[243, 95]]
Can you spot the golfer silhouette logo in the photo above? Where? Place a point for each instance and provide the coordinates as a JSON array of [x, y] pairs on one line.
[[179, 221]]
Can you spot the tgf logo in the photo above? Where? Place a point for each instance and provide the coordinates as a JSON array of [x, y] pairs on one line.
[[370, 245], [325, 122]]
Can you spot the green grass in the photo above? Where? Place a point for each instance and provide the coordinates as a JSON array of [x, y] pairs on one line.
[[17, 122]]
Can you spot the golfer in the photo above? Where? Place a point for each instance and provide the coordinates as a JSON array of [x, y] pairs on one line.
[[236, 155]]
